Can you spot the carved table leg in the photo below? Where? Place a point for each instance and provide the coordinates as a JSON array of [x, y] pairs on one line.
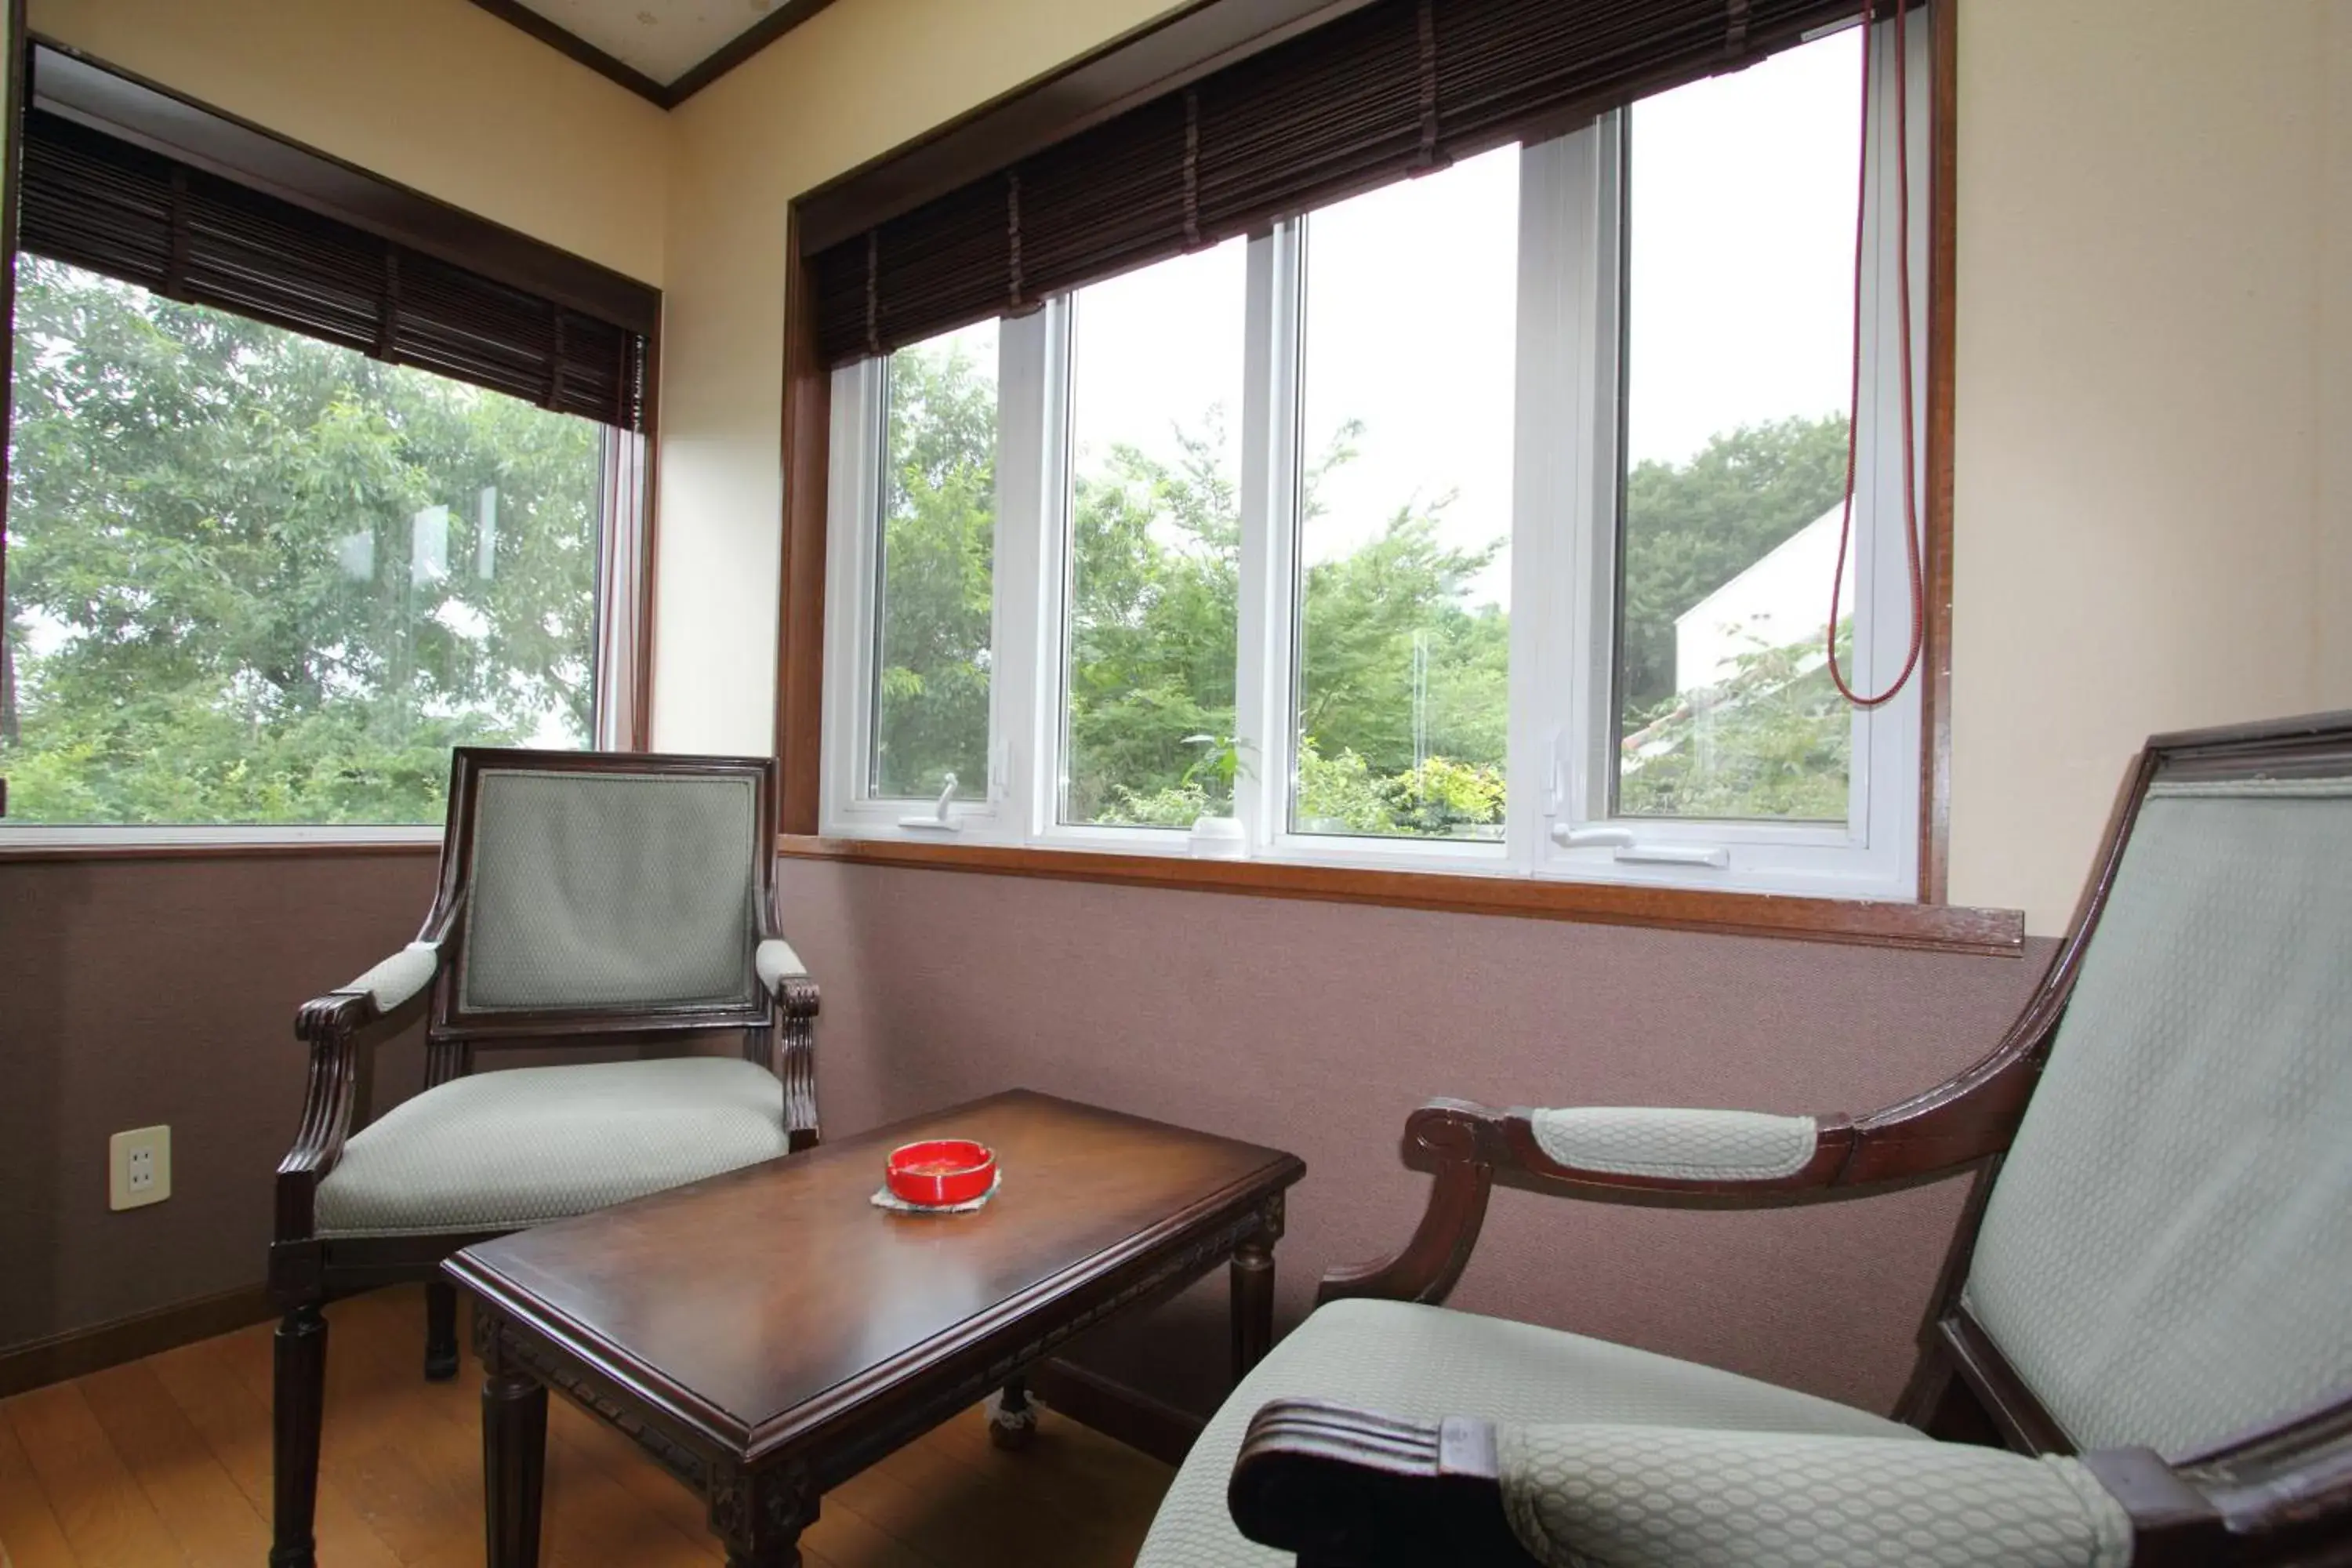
[[1252, 1280], [514, 1465], [761, 1517], [1012, 1419]]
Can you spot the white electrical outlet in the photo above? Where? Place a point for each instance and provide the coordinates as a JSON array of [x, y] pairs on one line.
[[138, 1167]]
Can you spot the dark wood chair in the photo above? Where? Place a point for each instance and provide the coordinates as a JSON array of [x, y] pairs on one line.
[[585, 900], [2140, 1349]]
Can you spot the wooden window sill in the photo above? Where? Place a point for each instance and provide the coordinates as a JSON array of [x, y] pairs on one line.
[[1940, 928], [224, 849]]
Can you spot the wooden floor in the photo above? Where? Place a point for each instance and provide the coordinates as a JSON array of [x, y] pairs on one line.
[[166, 1462]]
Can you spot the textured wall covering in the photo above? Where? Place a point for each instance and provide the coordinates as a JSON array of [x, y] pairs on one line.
[[164, 991], [1318, 1026], [134, 992]]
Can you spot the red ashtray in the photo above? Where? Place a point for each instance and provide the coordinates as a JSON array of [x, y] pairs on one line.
[[940, 1171]]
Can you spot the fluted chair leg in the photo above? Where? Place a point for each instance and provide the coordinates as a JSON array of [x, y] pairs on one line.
[[440, 1330], [299, 1399]]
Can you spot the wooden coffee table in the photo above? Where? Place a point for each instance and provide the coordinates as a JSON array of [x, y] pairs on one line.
[[768, 1333]]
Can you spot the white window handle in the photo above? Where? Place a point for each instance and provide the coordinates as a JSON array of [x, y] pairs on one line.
[[1677, 854], [939, 821], [1632, 850]]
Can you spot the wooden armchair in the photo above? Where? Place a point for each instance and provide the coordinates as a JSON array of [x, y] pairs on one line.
[[2140, 1349], [585, 899]]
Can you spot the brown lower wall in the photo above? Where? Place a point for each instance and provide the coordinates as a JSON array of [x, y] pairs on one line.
[[1316, 1027], [134, 992]]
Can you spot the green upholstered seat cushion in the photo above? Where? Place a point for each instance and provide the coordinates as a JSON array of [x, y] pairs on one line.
[[498, 1151], [1427, 1362], [1606, 1496]]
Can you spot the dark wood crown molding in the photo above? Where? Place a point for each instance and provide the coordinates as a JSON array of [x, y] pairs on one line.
[[744, 45], [663, 95], [567, 42]]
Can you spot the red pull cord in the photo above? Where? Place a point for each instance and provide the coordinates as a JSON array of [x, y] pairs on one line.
[[1853, 405]]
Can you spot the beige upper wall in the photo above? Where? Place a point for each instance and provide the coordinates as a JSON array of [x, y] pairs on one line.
[[2153, 522], [437, 94], [857, 80]]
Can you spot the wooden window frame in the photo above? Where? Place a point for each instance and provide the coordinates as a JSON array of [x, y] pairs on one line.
[[150, 114], [1084, 93]]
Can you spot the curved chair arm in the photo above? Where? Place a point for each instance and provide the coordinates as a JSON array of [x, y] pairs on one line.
[[1350, 1489], [377, 993], [784, 977], [1683, 1158], [381, 1002], [1955, 1127], [794, 994]]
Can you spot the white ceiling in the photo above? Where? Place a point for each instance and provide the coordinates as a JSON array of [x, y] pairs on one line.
[[663, 38]]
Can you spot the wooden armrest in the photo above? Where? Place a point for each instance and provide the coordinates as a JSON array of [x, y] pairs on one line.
[[338, 1015], [1350, 1489], [793, 993], [1953, 1127], [1347, 1489], [784, 977], [1470, 1147], [337, 1027]]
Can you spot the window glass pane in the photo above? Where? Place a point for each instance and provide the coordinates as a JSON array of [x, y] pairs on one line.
[[1405, 507], [934, 597], [256, 578], [1739, 327], [1155, 542]]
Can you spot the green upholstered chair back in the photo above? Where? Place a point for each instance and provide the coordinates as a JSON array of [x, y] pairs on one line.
[[614, 888], [2166, 1258]]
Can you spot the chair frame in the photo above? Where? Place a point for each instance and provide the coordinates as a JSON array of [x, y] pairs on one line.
[[1351, 1488], [341, 1030]]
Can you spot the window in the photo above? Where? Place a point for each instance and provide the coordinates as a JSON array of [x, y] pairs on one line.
[[297, 499], [1403, 647], [1734, 454], [255, 578], [1154, 540], [1482, 521], [932, 587]]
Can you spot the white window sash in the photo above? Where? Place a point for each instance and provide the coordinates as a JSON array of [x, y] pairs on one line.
[[1875, 853], [1264, 691], [1564, 536], [1032, 498]]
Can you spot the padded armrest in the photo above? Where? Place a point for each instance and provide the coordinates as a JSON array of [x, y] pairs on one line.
[[1676, 1145], [1668, 1496], [399, 977], [775, 962]]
